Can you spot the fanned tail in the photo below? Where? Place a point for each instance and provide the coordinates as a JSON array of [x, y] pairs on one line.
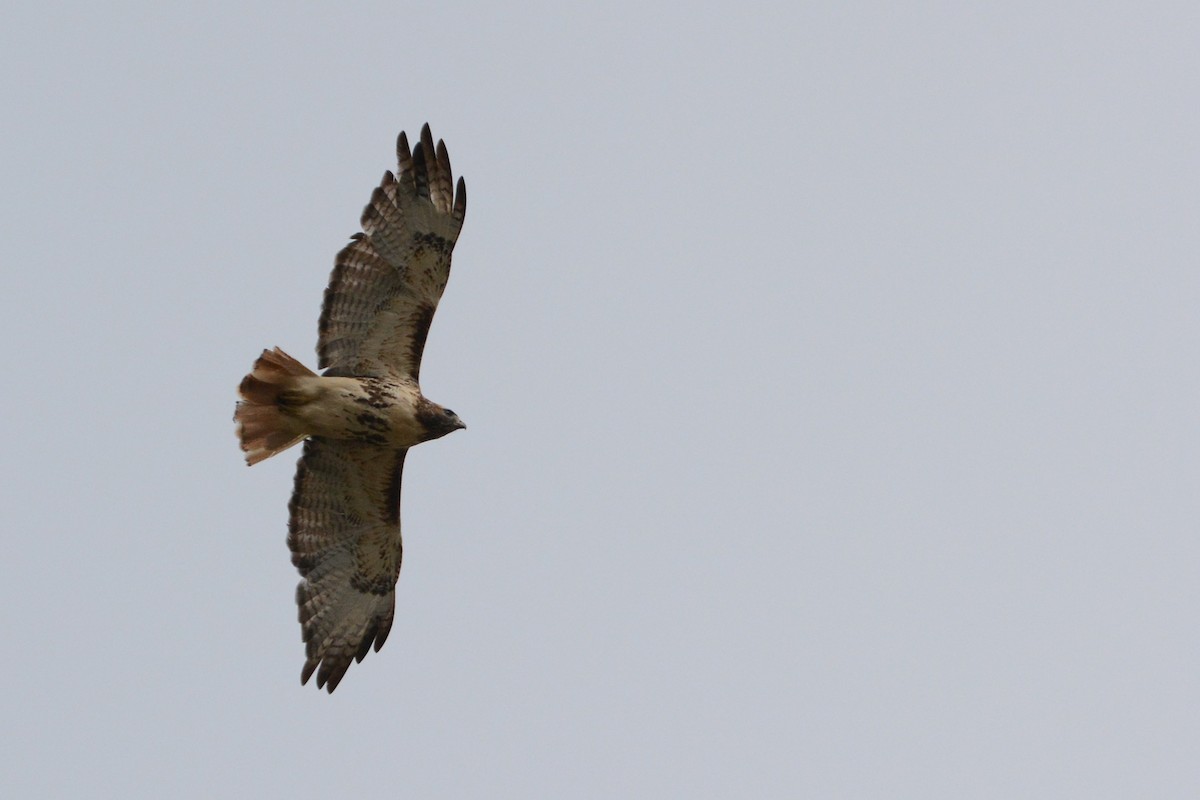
[[262, 426]]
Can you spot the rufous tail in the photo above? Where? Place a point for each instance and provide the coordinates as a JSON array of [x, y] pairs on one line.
[[263, 426]]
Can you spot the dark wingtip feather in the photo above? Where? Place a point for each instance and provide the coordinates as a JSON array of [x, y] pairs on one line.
[[460, 200], [404, 158], [364, 647], [331, 673], [385, 627], [443, 157], [427, 145], [420, 172], [371, 213]]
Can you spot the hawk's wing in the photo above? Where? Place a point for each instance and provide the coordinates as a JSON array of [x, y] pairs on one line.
[[344, 534], [387, 282]]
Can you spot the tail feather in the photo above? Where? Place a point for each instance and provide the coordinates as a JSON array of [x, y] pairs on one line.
[[262, 426]]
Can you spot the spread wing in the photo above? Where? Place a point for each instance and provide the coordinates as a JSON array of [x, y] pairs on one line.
[[387, 282], [344, 534]]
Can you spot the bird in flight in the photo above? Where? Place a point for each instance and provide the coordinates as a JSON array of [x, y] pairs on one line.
[[359, 417]]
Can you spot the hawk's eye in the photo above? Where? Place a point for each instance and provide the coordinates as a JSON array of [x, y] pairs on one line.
[[447, 412]]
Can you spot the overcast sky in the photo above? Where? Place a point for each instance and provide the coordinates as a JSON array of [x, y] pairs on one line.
[[830, 376]]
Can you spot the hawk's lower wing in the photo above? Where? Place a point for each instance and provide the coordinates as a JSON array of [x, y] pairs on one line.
[[344, 534]]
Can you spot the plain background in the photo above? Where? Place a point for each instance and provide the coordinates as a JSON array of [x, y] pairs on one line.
[[830, 375]]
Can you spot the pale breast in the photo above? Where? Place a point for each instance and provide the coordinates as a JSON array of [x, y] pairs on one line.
[[373, 410]]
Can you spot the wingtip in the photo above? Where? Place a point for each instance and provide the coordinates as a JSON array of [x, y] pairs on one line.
[[460, 200], [427, 142], [404, 159], [330, 674], [443, 157]]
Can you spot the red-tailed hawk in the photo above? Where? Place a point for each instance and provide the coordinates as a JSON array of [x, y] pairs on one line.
[[360, 416]]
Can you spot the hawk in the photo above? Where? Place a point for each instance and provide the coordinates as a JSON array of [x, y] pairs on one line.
[[359, 417]]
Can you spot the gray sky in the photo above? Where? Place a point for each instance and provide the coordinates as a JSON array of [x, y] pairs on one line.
[[830, 374]]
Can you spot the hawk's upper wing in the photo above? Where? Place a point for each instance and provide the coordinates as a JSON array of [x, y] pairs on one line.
[[344, 534], [387, 282]]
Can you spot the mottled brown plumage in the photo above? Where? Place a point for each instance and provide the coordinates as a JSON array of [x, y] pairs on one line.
[[359, 418]]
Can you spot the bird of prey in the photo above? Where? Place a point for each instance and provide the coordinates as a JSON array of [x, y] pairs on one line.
[[359, 417]]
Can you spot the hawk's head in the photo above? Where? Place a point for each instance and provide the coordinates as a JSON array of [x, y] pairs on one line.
[[436, 420]]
